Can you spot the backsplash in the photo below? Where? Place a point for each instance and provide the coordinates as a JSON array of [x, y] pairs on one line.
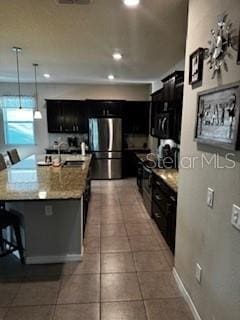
[[64, 136], [136, 140]]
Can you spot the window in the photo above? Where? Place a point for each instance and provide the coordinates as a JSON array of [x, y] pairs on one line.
[[18, 124]]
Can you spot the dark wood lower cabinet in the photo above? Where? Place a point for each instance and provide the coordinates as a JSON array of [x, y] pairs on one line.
[[164, 207], [86, 200], [130, 161]]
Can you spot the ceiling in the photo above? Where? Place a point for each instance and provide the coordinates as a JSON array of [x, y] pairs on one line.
[[74, 43]]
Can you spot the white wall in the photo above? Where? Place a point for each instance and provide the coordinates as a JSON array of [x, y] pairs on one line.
[[206, 235], [66, 91]]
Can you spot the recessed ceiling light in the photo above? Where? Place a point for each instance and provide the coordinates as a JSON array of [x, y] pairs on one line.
[[46, 75], [111, 77], [131, 3], [117, 56]]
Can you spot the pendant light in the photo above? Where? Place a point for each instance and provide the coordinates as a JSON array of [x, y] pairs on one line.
[[17, 50], [37, 113]]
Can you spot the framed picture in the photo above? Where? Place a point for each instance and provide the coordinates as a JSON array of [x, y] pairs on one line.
[[218, 117], [196, 66], [238, 56]]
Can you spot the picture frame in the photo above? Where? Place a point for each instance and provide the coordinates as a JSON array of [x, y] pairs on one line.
[[217, 119], [238, 55], [196, 66]]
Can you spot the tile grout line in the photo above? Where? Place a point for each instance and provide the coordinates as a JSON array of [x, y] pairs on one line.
[[135, 265]]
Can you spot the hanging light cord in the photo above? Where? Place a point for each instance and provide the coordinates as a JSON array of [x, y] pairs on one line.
[[36, 89], [18, 77]]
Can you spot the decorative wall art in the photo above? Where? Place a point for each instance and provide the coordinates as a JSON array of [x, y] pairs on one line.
[[196, 66], [218, 117], [219, 45]]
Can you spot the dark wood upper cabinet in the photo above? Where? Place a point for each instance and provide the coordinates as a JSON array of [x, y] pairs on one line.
[[67, 116], [169, 89], [71, 116], [104, 108], [166, 108], [136, 117], [156, 108], [54, 116]]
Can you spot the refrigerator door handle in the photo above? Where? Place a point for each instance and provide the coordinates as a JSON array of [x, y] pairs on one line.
[[110, 129]]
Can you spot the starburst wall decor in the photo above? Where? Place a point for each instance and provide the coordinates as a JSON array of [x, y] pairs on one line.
[[219, 45]]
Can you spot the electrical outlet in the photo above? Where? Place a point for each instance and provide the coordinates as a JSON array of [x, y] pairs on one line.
[[236, 216], [48, 211], [198, 273], [210, 197]]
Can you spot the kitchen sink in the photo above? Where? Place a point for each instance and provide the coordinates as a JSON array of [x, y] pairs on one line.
[[73, 163]]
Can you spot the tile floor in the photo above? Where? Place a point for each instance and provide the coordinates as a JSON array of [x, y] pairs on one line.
[[125, 274]]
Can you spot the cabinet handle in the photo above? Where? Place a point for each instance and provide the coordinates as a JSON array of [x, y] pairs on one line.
[[158, 183], [163, 126], [158, 197], [173, 199], [150, 182]]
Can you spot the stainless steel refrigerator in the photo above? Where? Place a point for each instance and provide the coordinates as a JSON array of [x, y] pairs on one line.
[[105, 143]]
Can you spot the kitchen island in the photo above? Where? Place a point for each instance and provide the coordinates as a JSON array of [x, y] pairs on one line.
[[50, 202]]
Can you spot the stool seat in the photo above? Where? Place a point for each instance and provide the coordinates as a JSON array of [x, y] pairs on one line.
[[9, 219]]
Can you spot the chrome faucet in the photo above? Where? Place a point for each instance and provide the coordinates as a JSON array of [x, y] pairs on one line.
[[59, 148]]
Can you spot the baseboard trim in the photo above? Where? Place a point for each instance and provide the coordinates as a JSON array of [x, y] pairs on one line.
[[53, 259], [186, 295]]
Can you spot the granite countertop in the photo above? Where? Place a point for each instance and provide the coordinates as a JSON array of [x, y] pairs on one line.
[[169, 176], [28, 181]]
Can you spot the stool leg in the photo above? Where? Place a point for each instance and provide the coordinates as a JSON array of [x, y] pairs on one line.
[[19, 243]]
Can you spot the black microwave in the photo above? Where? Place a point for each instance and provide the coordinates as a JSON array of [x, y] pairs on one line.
[[163, 125]]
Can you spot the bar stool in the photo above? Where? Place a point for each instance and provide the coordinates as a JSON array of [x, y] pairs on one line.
[[9, 219], [13, 156]]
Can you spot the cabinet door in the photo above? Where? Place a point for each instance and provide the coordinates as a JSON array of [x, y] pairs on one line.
[[156, 108], [161, 220], [169, 93], [112, 108], [81, 118], [55, 116], [178, 112], [136, 117], [69, 113], [95, 108]]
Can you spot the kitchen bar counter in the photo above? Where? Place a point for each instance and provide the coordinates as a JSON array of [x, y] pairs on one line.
[[50, 203], [28, 181], [170, 176]]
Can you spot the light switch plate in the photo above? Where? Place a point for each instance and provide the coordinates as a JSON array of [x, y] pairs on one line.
[[210, 197], [236, 216]]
